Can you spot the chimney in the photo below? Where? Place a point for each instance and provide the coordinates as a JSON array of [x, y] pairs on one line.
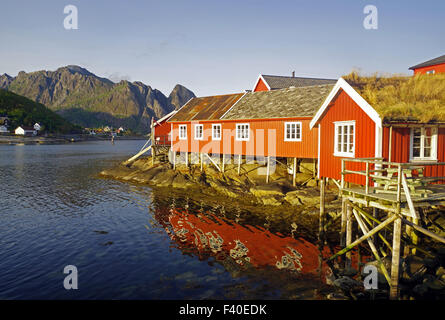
[[293, 74]]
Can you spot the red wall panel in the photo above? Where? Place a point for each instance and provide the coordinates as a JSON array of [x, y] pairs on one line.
[[343, 108], [438, 68], [266, 138]]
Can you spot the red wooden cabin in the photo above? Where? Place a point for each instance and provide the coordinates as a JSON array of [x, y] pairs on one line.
[[436, 65], [349, 127], [256, 124]]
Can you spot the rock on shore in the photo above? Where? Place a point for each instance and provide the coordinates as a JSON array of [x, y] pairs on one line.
[[250, 185]]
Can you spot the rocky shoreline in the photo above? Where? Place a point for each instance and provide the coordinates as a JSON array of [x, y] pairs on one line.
[[248, 187]]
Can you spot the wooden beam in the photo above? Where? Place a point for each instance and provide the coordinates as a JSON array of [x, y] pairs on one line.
[[322, 210], [348, 231], [137, 155], [372, 246], [239, 163], [268, 169], [412, 210], [364, 237], [200, 158], [395, 264], [294, 172], [424, 231], [211, 160], [223, 162], [343, 223]]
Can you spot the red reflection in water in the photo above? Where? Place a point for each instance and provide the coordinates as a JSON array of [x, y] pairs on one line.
[[244, 244]]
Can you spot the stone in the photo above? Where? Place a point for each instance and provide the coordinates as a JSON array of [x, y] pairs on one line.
[[312, 183], [420, 289], [306, 196], [347, 283], [349, 272], [271, 201], [267, 190], [336, 296]]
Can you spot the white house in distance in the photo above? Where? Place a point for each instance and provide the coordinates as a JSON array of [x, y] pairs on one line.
[[3, 129], [25, 131]]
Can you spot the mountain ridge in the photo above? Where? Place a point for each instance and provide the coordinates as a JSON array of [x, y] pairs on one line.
[[86, 99]]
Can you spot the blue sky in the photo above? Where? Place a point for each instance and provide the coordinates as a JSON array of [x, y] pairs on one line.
[[217, 47]]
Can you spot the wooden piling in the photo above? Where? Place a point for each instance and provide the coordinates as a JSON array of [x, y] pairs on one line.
[[268, 169], [343, 223], [294, 172], [239, 163], [348, 232], [395, 264], [200, 158], [322, 210], [223, 162]]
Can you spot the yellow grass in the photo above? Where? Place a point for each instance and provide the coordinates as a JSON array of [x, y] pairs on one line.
[[398, 97]]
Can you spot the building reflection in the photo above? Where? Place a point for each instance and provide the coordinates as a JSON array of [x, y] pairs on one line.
[[205, 233]]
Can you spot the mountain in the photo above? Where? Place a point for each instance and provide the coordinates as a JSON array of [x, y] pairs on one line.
[[91, 101], [25, 112]]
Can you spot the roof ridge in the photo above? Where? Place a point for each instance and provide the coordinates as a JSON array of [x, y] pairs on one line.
[[296, 77]]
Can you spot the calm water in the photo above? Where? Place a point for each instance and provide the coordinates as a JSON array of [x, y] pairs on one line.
[[129, 242]]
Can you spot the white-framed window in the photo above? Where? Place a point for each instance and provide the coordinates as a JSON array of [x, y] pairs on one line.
[[216, 131], [423, 144], [242, 132], [292, 131], [199, 131], [344, 144], [183, 132], [431, 71]]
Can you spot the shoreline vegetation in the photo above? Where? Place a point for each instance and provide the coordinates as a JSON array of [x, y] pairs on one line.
[[61, 139]]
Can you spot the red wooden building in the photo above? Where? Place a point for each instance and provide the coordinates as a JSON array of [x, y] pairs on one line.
[[267, 124], [349, 127], [436, 65]]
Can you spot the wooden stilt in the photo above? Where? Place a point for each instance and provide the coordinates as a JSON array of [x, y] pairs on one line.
[[372, 246], [200, 159], [268, 169], [174, 160], [343, 223], [294, 172], [239, 163], [364, 237], [223, 162], [322, 210], [348, 232], [394, 285], [186, 159]]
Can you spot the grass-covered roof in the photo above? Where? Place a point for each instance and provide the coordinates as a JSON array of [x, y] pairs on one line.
[[403, 98]]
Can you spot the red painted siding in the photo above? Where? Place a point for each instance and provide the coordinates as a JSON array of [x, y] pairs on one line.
[[266, 138], [400, 149], [162, 132], [438, 68], [261, 86], [343, 108]]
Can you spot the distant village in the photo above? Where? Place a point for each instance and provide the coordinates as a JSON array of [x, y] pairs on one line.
[[38, 129]]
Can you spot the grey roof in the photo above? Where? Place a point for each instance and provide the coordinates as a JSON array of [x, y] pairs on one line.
[[282, 103], [281, 82], [428, 63]]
